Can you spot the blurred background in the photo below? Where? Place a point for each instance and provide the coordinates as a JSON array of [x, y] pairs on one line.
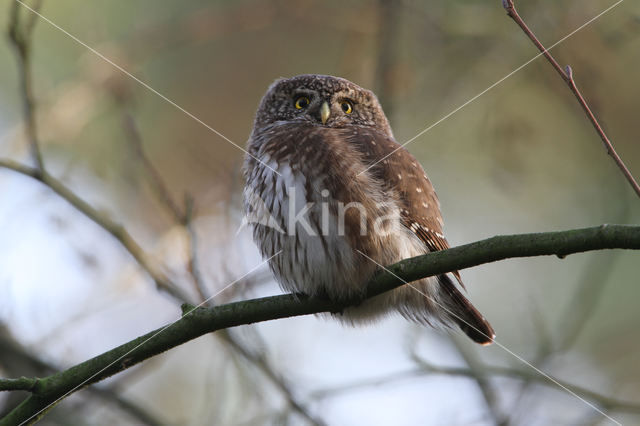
[[520, 158]]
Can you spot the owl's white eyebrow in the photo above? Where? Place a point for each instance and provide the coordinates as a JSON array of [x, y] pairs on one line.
[[422, 132], [142, 83]]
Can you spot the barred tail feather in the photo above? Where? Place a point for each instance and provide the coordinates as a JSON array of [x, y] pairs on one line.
[[464, 314]]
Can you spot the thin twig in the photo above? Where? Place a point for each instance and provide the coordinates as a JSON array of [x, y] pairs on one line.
[[603, 401], [260, 362], [115, 229], [157, 183], [478, 374], [426, 369], [388, 23], [567, 76], [20, 35], [193, 259]]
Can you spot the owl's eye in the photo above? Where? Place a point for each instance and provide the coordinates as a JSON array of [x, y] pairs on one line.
[[302, 102], [346, 106]]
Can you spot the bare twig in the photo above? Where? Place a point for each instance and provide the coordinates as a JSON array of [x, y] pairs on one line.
[[20, 35], [193, 263], [260, 362], [601, 400], [427, 369], [388, 22], [112, 227], [157, 183], [476, 370], [567, 76]]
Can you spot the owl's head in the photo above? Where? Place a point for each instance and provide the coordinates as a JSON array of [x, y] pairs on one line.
[[322, 100]]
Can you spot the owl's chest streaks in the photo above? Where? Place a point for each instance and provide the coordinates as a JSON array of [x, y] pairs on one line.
[[328, 172], [317, 168]]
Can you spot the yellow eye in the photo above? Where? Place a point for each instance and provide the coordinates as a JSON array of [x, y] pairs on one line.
[[302, 102], [347, 107]]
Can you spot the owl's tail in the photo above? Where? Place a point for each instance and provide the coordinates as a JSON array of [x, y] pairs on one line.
[[464, 314]]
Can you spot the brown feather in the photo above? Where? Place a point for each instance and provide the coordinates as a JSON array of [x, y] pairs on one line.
[[347, 159]]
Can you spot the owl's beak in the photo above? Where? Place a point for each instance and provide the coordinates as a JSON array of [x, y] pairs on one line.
[[325, 112]]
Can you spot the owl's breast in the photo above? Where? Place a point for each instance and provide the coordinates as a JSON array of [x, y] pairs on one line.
[[319, 214], [297, 228]]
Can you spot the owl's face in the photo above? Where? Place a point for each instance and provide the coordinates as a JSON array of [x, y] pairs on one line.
[[320, 100]]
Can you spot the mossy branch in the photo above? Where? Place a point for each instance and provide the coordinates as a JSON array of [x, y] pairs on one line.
[[196, 322]]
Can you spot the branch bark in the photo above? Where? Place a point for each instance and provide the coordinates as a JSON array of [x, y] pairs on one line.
[[197, 321]]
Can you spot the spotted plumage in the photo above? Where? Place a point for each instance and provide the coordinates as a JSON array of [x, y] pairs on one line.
[[331, 194]]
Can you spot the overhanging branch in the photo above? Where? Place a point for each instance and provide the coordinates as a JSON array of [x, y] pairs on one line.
[[199, 321]]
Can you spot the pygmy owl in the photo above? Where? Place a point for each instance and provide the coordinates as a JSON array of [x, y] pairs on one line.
[[332, 196]]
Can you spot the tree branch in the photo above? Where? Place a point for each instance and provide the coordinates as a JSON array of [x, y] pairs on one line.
[[20, 37], [567, 76], [155, 178], [15, 357], [196, 322], [115, 229], [603, 401], [477, 372], [486, 371], [22, 383]]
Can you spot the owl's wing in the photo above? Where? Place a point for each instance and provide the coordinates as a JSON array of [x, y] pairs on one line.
[[401, 172]]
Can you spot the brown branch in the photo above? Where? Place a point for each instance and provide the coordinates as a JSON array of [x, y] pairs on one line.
[[20, 35], [567, 75]]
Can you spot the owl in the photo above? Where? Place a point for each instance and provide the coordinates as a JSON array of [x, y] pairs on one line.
[[332, 198]]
